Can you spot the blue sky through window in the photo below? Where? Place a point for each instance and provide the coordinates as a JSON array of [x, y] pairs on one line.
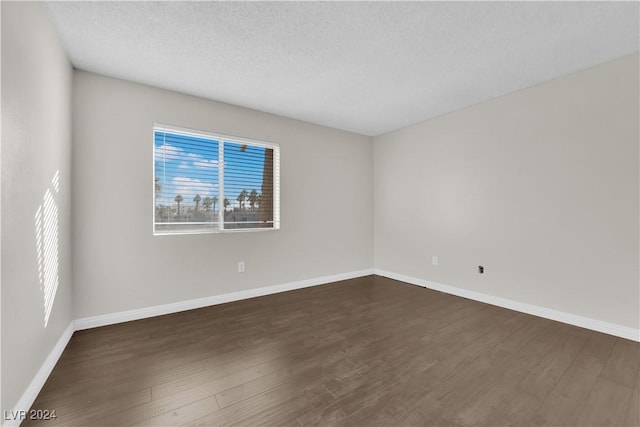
[[188, 165]]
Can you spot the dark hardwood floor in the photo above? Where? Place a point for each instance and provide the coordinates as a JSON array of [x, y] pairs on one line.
[[363, 352]]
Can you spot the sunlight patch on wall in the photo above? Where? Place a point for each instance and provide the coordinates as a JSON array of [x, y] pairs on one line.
[[47, 246]]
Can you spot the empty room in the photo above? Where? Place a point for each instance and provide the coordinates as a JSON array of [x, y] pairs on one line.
[[320, 213]]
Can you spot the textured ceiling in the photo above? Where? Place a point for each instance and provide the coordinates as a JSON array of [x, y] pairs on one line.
[[365, 67]]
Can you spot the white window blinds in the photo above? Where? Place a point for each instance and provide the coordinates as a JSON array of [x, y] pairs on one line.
[[204, 182]]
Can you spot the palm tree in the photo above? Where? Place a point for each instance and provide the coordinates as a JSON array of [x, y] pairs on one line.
[[241, 198], [214, 200], [157, 185], [179, 200], [259, 200], [207, 204], [253, 197], [157, 188], [197, 200], [226, 203]]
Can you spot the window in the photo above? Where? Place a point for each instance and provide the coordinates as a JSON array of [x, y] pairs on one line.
[[207, 183]]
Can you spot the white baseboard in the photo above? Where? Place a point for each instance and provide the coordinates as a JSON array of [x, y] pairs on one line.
[[158, 310], [547, 313], [30, 394]]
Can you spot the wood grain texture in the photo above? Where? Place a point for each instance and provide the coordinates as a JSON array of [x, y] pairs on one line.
[[363, 352]]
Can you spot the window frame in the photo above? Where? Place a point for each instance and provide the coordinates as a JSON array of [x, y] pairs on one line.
[[222, 138]]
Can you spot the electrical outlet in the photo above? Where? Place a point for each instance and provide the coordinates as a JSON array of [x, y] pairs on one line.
[[434, 260], [241, 267]]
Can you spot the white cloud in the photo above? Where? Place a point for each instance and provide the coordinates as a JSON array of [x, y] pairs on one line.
[[206, 164], [168, 152], [200, 162], [189, 187], [171, 153]]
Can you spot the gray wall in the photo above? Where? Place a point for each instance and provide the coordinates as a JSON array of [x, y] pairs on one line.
[[539, 186], [326, 201], [36, 142]]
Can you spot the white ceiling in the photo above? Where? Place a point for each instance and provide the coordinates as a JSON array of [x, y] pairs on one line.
[[365, 67]]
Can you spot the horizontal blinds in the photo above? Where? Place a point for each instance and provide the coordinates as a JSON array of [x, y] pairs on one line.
[[209, 182], [248, 185], [186, 186]]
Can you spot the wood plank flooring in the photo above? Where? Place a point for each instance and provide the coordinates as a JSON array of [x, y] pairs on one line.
[[363, 352]]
